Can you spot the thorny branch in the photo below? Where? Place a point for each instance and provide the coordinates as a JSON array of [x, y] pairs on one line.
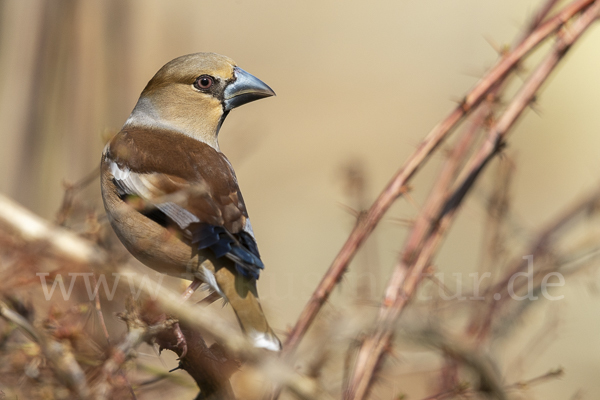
[[209, 367], [238, 346], [397, 185], [212, 366], [414, 260], [193, 319]]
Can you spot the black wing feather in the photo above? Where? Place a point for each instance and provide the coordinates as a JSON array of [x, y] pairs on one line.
[[240, 247]]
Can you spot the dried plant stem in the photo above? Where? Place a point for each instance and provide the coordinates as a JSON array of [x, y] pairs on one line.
[[206, 320], [480, 326], [452, 393], [415, 258], [553, 374], [71, 190], [34, 229], [138, 332], [397, 185], [100, 315], [19, 320], [498, 206], [66, 368]]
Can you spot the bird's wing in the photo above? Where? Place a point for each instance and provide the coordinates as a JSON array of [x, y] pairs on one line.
[[191, 187]]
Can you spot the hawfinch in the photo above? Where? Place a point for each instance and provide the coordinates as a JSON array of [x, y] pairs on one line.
[[173, 198]]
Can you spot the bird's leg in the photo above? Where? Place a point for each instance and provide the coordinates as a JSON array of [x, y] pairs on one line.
[[211, 298], [190, 289]]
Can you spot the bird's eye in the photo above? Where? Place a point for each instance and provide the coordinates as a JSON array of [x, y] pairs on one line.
[[204, 82]]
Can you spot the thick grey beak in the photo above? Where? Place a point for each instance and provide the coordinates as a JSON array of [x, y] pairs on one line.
[[244, 89]]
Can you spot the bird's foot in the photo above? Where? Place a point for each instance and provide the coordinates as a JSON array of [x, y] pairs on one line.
[[181, 342], [187, 293], [211, 298]]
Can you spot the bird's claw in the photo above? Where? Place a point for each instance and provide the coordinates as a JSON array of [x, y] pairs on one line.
[[181, 342]]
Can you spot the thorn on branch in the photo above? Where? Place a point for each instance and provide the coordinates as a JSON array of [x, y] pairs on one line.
[[211, 367]]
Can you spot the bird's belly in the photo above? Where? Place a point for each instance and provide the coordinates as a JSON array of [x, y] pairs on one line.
[[160, 250]]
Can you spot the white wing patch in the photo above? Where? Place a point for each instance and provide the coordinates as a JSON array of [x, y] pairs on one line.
[[118, 173], [137, 184]]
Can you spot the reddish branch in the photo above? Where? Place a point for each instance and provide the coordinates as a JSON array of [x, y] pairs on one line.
[[416, 258], [397, 185], [540, 16], [211, 367]]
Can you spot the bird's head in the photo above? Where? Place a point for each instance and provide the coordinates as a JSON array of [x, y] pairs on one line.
[[193, 94]]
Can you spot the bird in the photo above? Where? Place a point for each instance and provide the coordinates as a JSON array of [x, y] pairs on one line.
[[173, 198]]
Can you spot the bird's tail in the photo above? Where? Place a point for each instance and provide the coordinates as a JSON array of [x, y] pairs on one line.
[[242, 295]]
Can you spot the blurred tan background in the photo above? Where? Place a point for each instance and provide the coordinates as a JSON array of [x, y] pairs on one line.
[[358, 83]]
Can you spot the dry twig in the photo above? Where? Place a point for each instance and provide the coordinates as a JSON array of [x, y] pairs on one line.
[[397, 185], [414, 260], [59, 353], [60, 241]]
